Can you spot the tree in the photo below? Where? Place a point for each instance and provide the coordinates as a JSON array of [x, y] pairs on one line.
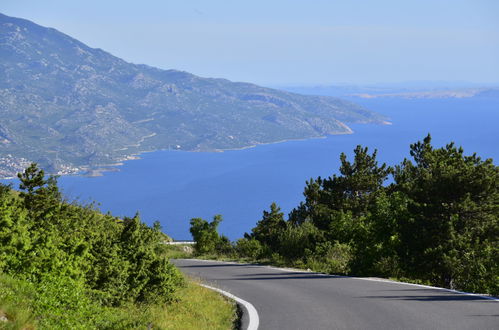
[[32, 178], [295, 240], [150, 278], [51, 242], [267, 230], [358, 183], [205, 234], [39, 194], [15, 238], [453, 208], [340, 205]]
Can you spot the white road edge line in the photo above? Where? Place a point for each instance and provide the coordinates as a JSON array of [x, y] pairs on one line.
[[429, 287], [254, 320], [362, 278], [388, 281]]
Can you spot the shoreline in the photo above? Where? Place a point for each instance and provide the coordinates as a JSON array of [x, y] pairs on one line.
[[100, 170]]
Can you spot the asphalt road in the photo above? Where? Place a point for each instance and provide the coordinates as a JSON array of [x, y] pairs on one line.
[[301, 300]]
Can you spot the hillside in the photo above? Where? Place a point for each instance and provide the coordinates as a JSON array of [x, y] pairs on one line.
[[68, 266], [68, 106]]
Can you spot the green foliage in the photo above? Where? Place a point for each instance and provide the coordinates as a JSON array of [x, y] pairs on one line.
[[177, 251], [76, 259], [330, 257], [249, 248], [205, 234], [197, 308], [224, 246], [15, 297], [268, 229], [294, 241], [451, 234], [437, 223], [353, 191], [40, 195], [62, 304]]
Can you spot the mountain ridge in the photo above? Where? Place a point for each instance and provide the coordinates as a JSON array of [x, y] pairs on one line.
[[70, 107]]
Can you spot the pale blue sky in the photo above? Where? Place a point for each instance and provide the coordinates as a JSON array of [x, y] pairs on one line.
[[278, 42]]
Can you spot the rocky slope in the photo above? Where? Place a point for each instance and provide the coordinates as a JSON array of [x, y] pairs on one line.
[[68, 106]]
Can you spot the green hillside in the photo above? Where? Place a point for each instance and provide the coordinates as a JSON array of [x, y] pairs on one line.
[[67, 266]]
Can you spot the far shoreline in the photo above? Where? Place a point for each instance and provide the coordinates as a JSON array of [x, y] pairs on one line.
[[100, 170]]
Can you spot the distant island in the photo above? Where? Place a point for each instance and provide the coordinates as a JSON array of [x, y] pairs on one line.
[[72, 108], [435, 94], [403, 91]]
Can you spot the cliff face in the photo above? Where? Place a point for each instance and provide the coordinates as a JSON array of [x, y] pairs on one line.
[[66, 105]]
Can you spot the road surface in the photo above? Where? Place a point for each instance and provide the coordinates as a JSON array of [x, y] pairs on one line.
[[300, 300]]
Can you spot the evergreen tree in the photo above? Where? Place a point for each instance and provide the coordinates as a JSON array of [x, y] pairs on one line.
[[438, 221], [340, 204], [267, 230], [355, 188], [32, 178], [48, 241], [453, 207], [40, 195]]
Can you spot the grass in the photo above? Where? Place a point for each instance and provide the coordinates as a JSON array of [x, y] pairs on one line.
[[198, 308], [178, 251], [15, 307], [22, 306]]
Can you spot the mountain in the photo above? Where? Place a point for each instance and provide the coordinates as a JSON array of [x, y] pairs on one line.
[[69, 107]]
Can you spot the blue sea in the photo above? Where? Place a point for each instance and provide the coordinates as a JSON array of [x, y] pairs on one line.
[[175, 186]]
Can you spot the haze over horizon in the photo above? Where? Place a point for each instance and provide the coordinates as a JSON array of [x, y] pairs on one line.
[[289, 42]]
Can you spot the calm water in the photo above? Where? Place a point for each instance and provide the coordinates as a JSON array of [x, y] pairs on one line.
[[174, 186]]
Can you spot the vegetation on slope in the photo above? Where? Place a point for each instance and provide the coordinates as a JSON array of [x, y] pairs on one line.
[[25, 306], [437, 222], [92, 108], [66, 266]]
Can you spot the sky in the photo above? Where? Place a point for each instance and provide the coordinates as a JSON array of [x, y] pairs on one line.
[[288, 42]]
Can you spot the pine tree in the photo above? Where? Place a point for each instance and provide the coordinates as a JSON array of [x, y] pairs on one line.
[[40, 195], [453, 207], [355, 188], [267, 230]]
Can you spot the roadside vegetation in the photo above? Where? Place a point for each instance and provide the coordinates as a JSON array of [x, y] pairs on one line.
[[433, 219], [195, 307], [68, 266], [181, 251]]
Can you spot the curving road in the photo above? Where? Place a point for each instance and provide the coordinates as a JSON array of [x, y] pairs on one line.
[[288, 299]]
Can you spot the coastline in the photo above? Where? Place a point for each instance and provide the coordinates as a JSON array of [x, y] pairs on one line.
[[101, 169]]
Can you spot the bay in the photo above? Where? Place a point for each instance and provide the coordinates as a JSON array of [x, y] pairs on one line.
[[175, 186]]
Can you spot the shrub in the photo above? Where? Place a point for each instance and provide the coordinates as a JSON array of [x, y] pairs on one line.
[[100, 258], [205, 234], [294, 240], [249, 248], [332, 258], [224, 246]]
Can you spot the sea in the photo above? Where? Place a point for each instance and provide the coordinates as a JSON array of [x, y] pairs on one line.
[[174, 186]]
